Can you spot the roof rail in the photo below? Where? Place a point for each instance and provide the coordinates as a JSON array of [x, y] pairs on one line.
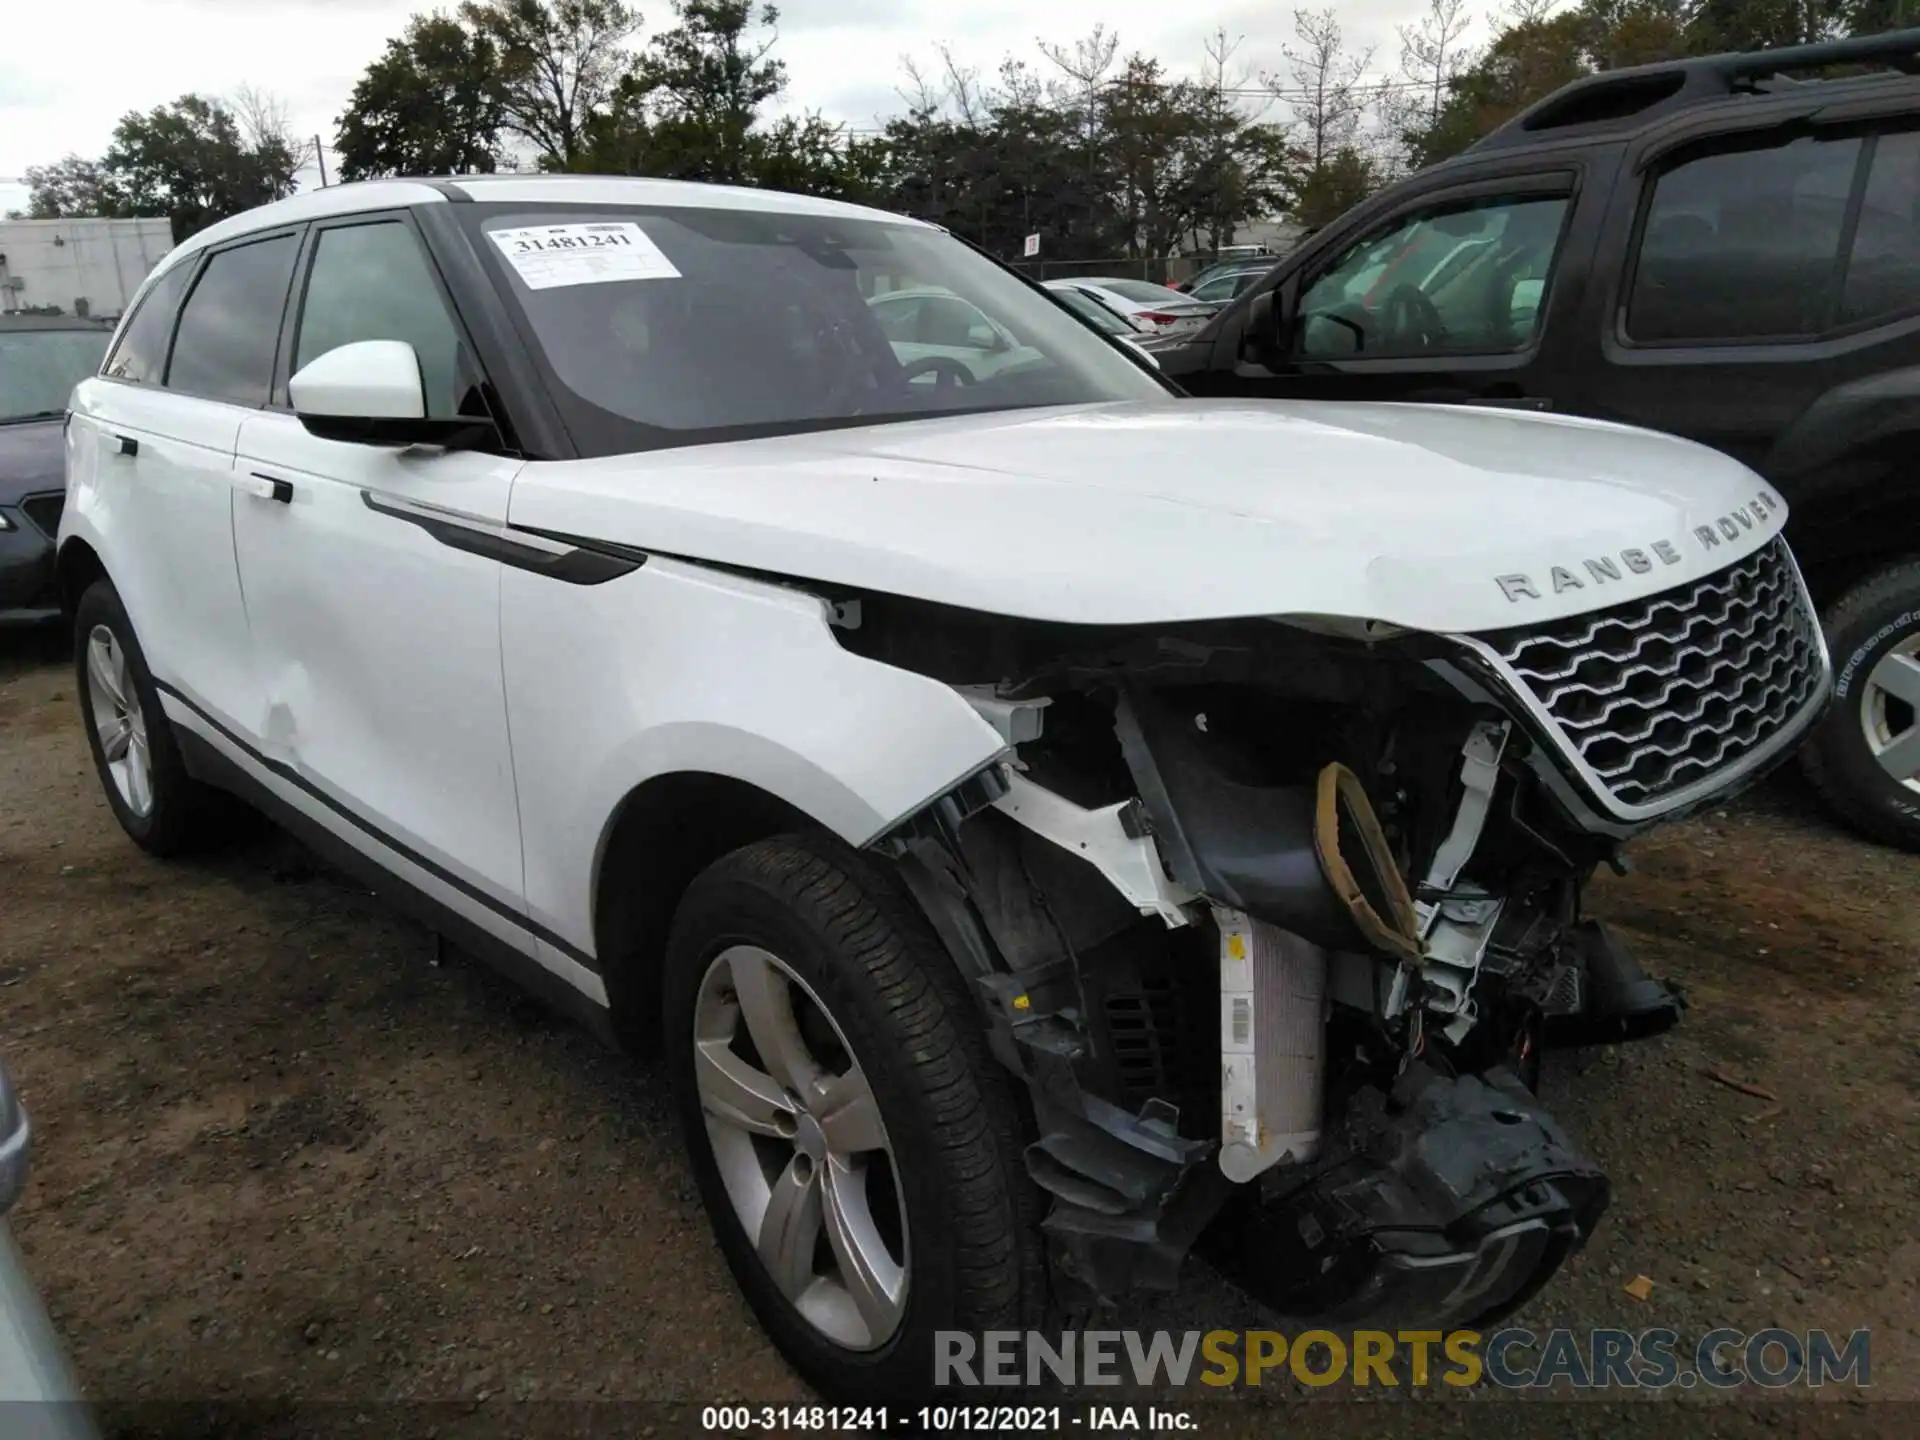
[[1642, 91]]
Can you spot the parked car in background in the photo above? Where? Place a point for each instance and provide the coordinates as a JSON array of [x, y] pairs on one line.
[[927, 766], [1726, 249], [1108, 321], [1254, 265], [39, 1396], [952, 335], [42, 358], [1219, 288], [1155, 306], [1098, 313]]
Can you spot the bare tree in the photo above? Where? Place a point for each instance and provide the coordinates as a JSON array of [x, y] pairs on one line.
[[1527, 12], [963, 88], [1327, 98], [1085, 64], [1434, 53], [920, 92], [265, 124], [954, 92]]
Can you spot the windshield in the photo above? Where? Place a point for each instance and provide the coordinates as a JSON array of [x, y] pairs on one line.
[[39, 368], [675, 326]]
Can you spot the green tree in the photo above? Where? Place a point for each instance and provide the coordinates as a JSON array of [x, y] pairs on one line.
[[433, 104], [705, 82], [73, 186], [1339, 182], [562, 63], [195, 162]]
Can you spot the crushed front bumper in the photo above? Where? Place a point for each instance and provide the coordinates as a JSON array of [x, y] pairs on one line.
[[1450, 1205]]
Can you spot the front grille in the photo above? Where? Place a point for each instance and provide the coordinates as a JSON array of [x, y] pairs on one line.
[[44, 511], [1658, 695]]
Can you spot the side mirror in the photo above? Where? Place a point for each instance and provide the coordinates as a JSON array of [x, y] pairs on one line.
[[371, 393], [1263, 340]]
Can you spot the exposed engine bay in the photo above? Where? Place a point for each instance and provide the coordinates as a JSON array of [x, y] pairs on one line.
[[1276, 918]]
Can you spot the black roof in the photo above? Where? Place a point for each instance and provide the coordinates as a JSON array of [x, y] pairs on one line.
[[1633, 97]]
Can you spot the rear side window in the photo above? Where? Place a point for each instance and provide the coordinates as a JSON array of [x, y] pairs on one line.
[[141, 355], [1883, 268], [231, 324], [1744, 245], [373, 282]]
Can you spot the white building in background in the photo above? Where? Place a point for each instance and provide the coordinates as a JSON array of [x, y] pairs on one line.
[[78, 266]]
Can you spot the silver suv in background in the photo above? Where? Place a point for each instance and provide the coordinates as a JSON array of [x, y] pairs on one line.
[[39, 1397]]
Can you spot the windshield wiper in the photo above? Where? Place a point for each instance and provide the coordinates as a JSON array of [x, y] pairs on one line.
[[31, 415]]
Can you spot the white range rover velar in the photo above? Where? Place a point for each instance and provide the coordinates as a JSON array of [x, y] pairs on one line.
[[1048, 825]]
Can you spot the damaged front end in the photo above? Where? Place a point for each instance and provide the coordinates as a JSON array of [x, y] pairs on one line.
[[1275, 919]]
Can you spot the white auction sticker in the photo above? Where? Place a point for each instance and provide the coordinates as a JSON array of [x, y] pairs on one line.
[[547, 256]]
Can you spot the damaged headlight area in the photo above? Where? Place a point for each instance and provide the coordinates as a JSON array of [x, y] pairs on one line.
[[1275, 921]]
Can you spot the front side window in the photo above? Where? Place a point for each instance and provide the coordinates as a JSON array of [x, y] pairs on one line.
[[1458, 279], [141, 355], [231, 324], [39, 368], [669, 326], [1743, 245], [373, 282]]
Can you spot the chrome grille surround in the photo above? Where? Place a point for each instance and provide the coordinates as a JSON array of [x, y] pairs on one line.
[[1658, 702]]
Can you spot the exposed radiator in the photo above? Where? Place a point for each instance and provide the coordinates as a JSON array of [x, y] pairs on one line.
[[1273, 988]]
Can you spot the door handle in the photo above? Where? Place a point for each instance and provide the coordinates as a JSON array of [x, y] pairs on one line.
[[265, 486], [128, 445]]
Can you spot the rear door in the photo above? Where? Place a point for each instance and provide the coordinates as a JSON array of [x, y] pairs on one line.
[[162, 423], [1758, 271]]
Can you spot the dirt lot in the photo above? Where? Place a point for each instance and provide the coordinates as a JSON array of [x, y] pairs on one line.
[[282, 1154]]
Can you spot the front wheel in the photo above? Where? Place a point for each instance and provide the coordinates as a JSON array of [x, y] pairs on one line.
[[1865, 758], [858, 1151]]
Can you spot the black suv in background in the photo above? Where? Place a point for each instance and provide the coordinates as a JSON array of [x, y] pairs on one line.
[[1710, 247]]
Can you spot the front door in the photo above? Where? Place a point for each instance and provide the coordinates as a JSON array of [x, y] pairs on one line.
[[1443, 301], [376, 646]]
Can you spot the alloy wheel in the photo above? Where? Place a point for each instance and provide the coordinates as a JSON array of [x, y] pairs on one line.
[[800, 1147], [119, 721], [1890, 712]]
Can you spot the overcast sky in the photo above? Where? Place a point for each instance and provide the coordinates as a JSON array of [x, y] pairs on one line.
[[69, 71]]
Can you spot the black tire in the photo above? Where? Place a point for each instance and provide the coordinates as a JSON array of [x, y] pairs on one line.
[[1870, 620], [846, 928], [185, 815]]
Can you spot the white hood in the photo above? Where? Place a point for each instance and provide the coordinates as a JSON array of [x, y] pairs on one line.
[[1433, 517]]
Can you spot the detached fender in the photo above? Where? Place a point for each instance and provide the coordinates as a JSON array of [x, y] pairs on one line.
[[677, 668]]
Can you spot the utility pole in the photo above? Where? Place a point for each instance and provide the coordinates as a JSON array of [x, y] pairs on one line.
[[320, 154]]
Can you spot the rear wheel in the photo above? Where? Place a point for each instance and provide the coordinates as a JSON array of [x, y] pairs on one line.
[[857, 1149], [1865, 758], [162, 808]]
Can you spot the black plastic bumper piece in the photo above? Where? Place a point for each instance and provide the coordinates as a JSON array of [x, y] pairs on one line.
[[1618, 1001], [1451, 1206]]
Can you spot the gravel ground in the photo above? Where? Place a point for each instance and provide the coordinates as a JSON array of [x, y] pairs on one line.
[[285, 1156]]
